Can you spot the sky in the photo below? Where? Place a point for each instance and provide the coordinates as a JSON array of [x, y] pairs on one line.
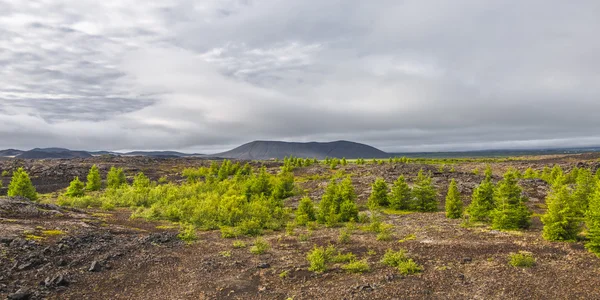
[[206, 76]]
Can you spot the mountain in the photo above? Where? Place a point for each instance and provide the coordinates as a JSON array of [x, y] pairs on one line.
[[159, 154], [42, 153], [261, 150], [10, 152]]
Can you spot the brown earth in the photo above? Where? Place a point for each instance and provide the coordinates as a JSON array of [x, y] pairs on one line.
[[138, 259]]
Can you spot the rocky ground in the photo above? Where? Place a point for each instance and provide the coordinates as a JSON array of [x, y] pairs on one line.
[[52, 252]]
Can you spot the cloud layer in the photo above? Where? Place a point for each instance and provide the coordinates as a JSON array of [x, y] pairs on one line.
[[205, 76]]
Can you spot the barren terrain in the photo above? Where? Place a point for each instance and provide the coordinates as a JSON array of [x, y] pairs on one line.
[[53, 252]]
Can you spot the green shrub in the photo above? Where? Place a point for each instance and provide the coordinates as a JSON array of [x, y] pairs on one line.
[[394, 258], [239, 244], [20, 185], [141, 181], [80, 202], [409, 267], [306, 211], [592, 222], [401, 262], [379, 194], [454, 205], [343, 258], [94, 181], [561, 220], [260, 246], [317, 258], [401, 195], [5, 173], [228, 232], [115, 178], [424, 194], [385, 232], [358, 266], [163, 180], [521, 259], [187, 233], [344, 237], [338, 203], [510, 212], [76, 188], [482, 201]]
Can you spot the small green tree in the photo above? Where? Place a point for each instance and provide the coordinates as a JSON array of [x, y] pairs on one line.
[[115, 178], [141, 181], [306, 211], [561, 221], [424, 194], [76, 188], [510, 212], [401, 195], [379, 194], [482, 201], [585, 184], [20, 185], [592, 223], [454, 205], [94, 182]]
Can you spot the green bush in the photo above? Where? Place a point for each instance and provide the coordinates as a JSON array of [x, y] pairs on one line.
[[561, 220], [409, 267], [343, 257], [424, 194], [187, 233], [20, 185], [401, 262], [83, 202], [454, 205], [358, 266], [338, 203], [115, 178], [238, 244], [379, 194], [592, 222], [94, 181], [521, 259], [260, 246], [317, 258], [510, 212], [401, 195], [393, 258], [344, 237], [385, 232], [482, 201], [76, 188], [5, 173], [305, 212]]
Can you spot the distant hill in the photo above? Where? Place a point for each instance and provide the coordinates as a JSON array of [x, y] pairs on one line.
[[261, 150], [10, 152], [43, 153], [159, 154]]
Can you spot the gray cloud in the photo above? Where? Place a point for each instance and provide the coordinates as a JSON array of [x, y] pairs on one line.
[[204, 76]]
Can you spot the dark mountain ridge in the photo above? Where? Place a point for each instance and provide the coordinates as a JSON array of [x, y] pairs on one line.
[[261, 150]]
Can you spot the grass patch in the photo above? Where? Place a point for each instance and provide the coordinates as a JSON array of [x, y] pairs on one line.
[[522, 259], [358, 266], [260, 246], [407, 238], [239, 244], [401, 262], [53, 232], [391, 211]]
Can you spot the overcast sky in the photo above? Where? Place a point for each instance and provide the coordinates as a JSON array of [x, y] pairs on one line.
[[207, 75]]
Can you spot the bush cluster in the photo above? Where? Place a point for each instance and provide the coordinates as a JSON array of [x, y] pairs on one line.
[[421, 197]]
